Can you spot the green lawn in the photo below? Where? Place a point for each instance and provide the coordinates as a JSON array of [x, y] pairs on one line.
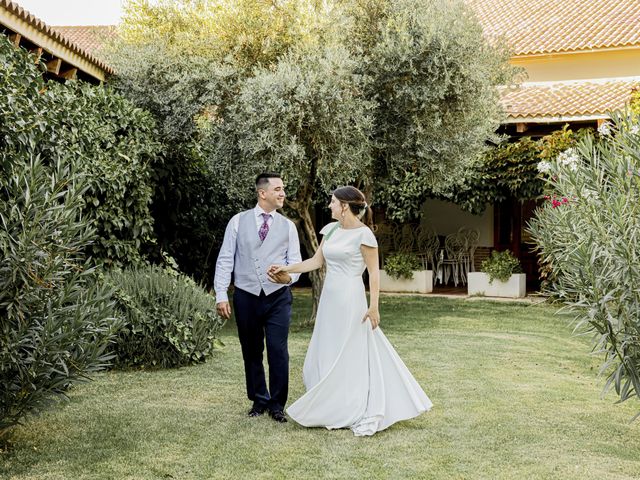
[[516, 397]]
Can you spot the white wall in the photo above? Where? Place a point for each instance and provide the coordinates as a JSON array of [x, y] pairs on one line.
[[446, 218]]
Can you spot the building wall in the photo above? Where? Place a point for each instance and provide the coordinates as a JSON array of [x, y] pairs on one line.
[[581, 66], [446, 218]]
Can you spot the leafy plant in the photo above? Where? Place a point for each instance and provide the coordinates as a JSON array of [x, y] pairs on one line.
[[587, 234], [500, 266], [169, 320], [56, 322], [401, 265], [113, 142], [509, 171]]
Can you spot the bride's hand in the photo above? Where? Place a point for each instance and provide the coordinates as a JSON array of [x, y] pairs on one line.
[[374, 315], [275, 269]]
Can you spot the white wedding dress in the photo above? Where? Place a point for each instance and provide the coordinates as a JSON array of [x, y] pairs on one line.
[[353, 376]]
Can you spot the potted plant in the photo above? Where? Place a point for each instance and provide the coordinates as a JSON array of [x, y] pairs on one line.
[[403, 273], [500, 276]]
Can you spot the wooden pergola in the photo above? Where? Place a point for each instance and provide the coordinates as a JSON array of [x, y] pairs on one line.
[[64, 59]]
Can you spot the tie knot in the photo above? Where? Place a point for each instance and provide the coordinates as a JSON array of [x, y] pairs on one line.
[[266, 216]]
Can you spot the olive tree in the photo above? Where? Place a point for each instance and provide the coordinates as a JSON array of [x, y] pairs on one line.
[[395, 95], [433, 76], [307, 119]]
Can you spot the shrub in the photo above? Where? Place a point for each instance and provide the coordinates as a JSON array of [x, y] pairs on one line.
[[112, 141], [401, 265], [55, 321], [500, 266], [587, 233], [169, 320]]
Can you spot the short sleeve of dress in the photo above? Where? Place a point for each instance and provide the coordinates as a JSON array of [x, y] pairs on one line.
[[368, 238], [327, 228]]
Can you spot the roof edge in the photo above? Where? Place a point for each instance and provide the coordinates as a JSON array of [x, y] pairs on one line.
[[79, 57]]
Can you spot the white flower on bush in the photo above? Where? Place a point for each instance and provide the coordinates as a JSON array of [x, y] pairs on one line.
[[569, 158], [544, 166], [635, 130], [589, 194], [605, 129]]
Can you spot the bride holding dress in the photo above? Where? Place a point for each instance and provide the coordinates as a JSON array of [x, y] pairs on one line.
[[353, 376]]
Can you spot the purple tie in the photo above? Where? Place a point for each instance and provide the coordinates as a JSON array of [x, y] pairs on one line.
[[264, 228]]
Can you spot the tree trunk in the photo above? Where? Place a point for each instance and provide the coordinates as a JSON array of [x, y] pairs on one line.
[[310, 242]]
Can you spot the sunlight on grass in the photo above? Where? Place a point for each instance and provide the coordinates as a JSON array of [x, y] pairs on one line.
[[515, 396]]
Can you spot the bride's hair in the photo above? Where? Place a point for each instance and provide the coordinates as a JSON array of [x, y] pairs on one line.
[[356, 201]]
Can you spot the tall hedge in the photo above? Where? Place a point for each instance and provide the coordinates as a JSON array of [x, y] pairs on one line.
[[113, 142], [75, 182]]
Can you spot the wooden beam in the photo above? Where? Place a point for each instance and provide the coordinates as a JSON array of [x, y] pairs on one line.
[[15, 39], [521, 127], [53, 66], [69, 74], [38, 53]]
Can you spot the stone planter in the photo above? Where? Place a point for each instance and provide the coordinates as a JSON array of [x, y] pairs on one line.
[[515, 287], [422, 282]]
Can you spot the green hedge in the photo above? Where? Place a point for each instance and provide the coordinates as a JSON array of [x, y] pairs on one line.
[[112, 141]]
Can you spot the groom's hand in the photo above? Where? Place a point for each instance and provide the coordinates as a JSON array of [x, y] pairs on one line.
[[224, 309], [280, 277]]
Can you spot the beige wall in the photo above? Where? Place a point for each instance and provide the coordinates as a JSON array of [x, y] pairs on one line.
[[580, 66], [446, 217]]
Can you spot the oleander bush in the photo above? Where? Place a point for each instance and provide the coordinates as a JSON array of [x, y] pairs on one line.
[[588, 236], [56, 321], [169, 320]]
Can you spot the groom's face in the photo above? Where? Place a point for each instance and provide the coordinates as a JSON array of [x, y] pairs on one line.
[[273, 195]]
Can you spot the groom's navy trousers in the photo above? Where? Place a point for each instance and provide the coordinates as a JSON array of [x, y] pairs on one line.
[[260, 317]]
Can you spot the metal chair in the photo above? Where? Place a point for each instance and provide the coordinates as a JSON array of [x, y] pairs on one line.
[[406, 241], [453, 264], [470, 237], [427, 246]]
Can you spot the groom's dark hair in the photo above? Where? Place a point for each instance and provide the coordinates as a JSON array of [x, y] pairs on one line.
[[262, 181]]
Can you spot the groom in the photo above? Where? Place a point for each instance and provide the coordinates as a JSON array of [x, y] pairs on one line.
[[254, 240]]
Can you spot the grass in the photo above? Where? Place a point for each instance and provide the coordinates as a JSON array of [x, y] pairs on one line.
[[515, 395]]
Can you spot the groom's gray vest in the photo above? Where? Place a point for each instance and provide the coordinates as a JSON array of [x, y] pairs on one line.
[[253, 257]]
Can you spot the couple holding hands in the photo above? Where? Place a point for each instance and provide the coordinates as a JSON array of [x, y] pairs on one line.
[[353, 376]]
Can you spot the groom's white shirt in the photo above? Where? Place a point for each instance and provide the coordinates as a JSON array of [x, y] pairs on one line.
[[225, 263]]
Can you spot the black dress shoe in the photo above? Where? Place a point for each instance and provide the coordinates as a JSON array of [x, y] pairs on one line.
[[278, 416], [255, 412]]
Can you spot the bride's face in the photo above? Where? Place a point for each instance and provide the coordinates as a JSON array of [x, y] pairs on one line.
[[336, 208]]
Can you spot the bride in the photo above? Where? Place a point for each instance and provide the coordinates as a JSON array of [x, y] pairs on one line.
[[353, 376]]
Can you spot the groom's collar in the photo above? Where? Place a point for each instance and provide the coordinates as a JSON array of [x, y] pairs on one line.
[[257, 211]]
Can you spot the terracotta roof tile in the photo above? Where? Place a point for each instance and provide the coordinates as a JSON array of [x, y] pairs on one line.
[[90, 38], [548, 26], [57, 36], [567, 99]]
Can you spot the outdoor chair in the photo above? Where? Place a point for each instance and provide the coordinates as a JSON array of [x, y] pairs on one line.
[[452, 260], [427, 246], [470, 237], [406, 240]]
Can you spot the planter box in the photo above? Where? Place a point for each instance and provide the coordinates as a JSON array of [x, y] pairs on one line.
[[515, 287], [422, 282]]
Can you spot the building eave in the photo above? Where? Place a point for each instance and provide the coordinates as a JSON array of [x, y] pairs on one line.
[[19, 21]]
